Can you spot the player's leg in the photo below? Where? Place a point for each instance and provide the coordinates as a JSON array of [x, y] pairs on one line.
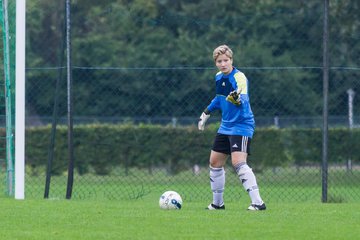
[[217, 179], [240, 147], [218, 156]]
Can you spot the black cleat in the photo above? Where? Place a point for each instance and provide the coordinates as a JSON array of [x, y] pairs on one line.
[[215, 207], [254, 207]]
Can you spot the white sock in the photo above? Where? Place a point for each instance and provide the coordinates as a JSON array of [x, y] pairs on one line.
[[217, 184], [248, 180]]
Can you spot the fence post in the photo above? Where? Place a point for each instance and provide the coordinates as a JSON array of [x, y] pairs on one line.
[[325, 104], [351, 94]]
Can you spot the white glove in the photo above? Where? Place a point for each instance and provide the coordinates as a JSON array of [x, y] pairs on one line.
[[202, 120]]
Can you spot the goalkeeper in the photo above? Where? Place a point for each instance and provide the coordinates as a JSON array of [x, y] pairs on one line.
[[235, 132]]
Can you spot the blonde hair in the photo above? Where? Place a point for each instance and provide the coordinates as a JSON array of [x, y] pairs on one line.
[[222, 49]]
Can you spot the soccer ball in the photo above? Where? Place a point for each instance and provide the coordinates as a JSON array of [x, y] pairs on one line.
[[170, 200]]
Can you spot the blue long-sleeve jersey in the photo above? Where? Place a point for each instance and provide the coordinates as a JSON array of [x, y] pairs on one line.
[[236, 120]]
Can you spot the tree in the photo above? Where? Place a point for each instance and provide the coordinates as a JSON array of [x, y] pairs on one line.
[[154, 58]]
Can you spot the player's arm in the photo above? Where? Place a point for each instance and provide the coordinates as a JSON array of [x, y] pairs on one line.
[[205, 115], [241, 88]]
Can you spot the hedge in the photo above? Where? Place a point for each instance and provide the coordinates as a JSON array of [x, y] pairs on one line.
[[101, 147]]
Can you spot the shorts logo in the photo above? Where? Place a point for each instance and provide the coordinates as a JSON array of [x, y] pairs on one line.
[[235, 146]]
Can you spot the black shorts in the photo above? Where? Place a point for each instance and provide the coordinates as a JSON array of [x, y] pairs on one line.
[[231, 143]]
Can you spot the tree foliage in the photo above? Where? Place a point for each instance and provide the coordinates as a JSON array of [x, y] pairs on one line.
[[154, 57]]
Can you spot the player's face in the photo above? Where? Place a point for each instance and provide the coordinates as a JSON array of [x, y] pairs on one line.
[[224, 64]]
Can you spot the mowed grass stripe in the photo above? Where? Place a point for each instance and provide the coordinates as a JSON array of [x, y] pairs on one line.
[[142, 219]]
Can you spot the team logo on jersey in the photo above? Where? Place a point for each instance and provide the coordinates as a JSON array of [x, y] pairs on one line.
[[223, 84]]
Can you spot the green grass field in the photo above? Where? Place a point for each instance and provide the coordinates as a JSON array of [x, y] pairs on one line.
[[142, 219], [126, 207]]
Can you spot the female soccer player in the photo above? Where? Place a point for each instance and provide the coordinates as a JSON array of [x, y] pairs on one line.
[[235, 132]]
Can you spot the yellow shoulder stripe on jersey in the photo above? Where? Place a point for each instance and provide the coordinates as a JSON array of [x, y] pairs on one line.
[[241, 82], [218, 73]]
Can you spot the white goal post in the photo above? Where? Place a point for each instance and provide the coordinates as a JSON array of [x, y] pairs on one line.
[[20, 100]]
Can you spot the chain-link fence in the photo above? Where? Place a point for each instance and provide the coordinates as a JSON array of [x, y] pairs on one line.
[[142, 73]]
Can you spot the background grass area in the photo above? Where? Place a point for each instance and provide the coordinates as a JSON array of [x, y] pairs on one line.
[[142, 219], [288, 184]]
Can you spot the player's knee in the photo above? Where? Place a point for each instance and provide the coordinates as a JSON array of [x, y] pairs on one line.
[[215, 164]]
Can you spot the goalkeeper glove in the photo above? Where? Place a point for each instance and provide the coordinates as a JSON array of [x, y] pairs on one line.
[[234, 97], [202, 120]]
